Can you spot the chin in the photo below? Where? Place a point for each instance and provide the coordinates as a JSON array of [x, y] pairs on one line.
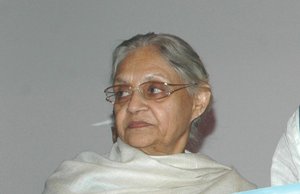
[[139, 142]]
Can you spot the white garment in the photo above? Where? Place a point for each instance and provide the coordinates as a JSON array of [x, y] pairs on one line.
[[128, 170], [286, 160]]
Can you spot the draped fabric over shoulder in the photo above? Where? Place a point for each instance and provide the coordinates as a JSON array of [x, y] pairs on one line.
[[128, 170], [286, 160]]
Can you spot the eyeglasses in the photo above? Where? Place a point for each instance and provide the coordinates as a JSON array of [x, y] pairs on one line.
[[149, 90]]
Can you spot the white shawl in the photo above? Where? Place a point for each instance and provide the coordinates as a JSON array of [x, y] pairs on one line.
[[286, 160], [128, 170]]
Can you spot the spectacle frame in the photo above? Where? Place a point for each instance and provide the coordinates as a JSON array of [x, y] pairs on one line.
[[151, 90]]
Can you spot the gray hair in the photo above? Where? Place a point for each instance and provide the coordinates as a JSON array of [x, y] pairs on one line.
[[180, 55]]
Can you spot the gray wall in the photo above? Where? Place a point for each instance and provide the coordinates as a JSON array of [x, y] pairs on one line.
[[55, 63]]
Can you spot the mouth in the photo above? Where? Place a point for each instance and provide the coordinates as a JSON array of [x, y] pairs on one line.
[[137, 124]]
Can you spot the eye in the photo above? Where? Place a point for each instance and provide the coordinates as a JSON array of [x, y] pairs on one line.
[[120, 94], [155, 90], [121, 91]]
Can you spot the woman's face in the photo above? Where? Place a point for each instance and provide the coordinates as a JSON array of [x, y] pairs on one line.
[[157, 127]]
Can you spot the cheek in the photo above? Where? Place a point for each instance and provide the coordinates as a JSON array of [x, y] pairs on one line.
[[119, 115], [169, 117], [163, 115], [180, 112]]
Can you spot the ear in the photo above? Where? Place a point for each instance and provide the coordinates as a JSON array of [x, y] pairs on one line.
[[201, 100]]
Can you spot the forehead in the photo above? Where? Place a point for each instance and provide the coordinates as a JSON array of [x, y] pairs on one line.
[[145, 64]]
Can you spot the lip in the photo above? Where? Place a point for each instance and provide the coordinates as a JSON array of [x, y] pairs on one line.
[[138, 124]]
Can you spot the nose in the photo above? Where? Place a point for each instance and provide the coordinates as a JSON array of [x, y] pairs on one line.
[[136, 102]]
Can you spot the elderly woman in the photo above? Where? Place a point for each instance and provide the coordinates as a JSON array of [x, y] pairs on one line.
[[160, 90]]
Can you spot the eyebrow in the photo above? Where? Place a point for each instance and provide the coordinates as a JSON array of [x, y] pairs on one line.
[[151, 77], [155, 77], [118, 80]]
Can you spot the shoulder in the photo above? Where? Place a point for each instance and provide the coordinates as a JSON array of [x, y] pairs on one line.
[[71, 171], [207, 161], [230, 176], [89, 157]]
